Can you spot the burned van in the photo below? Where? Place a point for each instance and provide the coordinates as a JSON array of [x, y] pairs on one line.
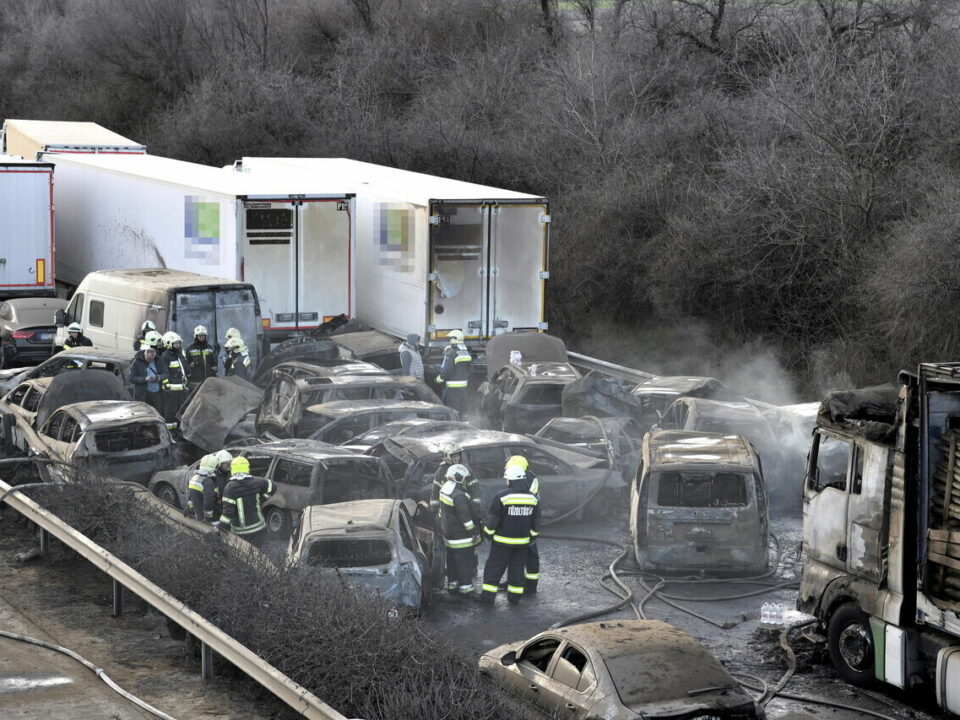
[[698, 504]]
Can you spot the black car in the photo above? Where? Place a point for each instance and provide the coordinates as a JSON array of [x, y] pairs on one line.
[[27, 329], [339, 421]]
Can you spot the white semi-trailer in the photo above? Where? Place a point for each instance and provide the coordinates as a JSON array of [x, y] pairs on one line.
[[28, 138], [292, 241], [435, 255], [26, 227]]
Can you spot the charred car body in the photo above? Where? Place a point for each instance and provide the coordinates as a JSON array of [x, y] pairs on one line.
[[413, 427], [299, 369], [621, 670], [286, 399], [613, 438], [305, 473], [521, 397], [384, 546], [699, 504], [370, 346], [87, 358], [570, 479], [339, 421]]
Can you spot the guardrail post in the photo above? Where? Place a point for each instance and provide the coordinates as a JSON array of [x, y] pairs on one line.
[[44, 541], [117, 598], [206, 661]]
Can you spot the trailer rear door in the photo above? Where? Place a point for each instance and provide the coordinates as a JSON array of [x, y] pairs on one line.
[[518, 262], [26, 229]]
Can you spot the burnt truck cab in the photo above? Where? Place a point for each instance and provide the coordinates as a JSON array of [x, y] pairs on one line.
[[698, 503], [384, 546]]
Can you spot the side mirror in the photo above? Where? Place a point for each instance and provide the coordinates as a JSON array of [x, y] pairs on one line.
[[60, 318], [509, 659]]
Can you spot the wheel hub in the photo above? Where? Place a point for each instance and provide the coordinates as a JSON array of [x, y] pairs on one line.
[[855, 645], [275, 521]]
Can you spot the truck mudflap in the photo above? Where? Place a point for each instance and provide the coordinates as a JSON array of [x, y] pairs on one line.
[[948, 679]]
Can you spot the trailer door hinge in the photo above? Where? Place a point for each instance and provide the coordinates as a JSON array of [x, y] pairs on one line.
[[544, 218], [544, 274], [542, 325], [494, 272]]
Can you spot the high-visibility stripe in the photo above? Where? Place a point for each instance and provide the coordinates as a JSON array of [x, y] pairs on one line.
[[510, 497], [460, 359], [230, 500], [490, 588], [224, 519], [463, 542], [466, 588], [511, 541], [488, 531], [446, 500], [469, 525], [456, 383], [530, 501], [534, 533], [515, 590], [532, 576]]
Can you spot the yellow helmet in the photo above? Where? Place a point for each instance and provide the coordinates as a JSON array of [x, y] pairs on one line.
[[240, 465], [518, 460]]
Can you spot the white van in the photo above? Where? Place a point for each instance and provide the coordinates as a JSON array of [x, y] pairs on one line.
[[111, 305]]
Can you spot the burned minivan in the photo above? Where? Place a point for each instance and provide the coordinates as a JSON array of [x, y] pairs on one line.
[[698, 504]]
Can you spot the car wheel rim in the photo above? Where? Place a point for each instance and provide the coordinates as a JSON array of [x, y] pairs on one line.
[[274, 521], [167, 496], [855, 647]]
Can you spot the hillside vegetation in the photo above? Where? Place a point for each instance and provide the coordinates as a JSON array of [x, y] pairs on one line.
[[729, 178]]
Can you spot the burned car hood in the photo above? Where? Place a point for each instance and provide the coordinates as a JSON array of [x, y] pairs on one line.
[[532, 346], [79, 386], [217, 406]]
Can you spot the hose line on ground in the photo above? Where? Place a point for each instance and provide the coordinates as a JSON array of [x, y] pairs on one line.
[[93, 668]]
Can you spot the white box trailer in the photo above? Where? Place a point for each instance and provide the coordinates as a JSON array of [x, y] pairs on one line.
[[28, 138], [294, 244], [434, 254], [26, 227]]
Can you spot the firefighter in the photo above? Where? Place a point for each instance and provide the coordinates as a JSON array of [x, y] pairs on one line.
[[75, 337], [202, 489], [453, 455], [201, 357], [148, 373], [511, 526], [461, 534], [138, 341], [531, 567], [242, 503], [411, 363], [455, 371], [237, 360], [175, 386]]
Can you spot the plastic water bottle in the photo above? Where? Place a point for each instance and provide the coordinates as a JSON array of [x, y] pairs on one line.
[[765, 614], [779, 614]]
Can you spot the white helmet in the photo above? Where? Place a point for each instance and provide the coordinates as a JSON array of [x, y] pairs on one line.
[[152, 338], [199, 330], [147, 325], [456, 336], [223, 456], [75, 327], [514, 472], [451, 449], [232, 333], [170, 337], [236, 343], [457, 473]]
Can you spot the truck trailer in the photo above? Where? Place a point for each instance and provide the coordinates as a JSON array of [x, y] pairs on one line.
[[29, 138], [293, 242], [26, 227], [434, 255], [881, 532]]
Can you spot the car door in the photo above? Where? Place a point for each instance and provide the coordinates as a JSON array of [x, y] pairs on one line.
[[826, 495], [576, 681], [293, 481], [344, 429], [532, 679], [413, 561]]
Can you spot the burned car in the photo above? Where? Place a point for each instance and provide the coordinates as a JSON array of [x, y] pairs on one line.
[[521, 397], [218, 412], [298, 370], [27, 329], [610, 438], [571, 481], [370, 346], [282, 411], [645, 402], [376, 545], [120, 439], [83, 358], [305, 472], [27, 406], [699, 504], [620, 670], [339, 421], [412, 427]]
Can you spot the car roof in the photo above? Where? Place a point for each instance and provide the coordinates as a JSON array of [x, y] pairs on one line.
[[732, 411], [546, 371], [354, 367], [303, 449], [39, 383], [621, 638], [681, 447], [464, 437], [93, 413], [366, 341], [673, 384], [382, 378], [342, 408], [336, 518]]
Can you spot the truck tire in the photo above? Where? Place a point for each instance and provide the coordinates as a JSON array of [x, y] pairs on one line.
[[850, 642], [279, 524]]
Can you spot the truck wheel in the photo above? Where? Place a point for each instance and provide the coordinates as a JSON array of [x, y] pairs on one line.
[[278, 522], [850, 642], [167, 494]]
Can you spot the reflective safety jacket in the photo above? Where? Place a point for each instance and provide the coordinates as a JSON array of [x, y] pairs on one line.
[[237, 364], [202, 495], [459, 528], [471, 486], [242, 497], [80, 340], [202, 361], [514, 516], [176, 369], [455, 367]]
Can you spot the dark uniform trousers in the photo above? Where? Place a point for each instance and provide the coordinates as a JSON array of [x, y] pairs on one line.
[[504, 557]]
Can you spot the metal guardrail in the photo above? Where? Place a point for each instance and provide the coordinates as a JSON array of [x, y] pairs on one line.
[[285, 689], [584, 362]]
